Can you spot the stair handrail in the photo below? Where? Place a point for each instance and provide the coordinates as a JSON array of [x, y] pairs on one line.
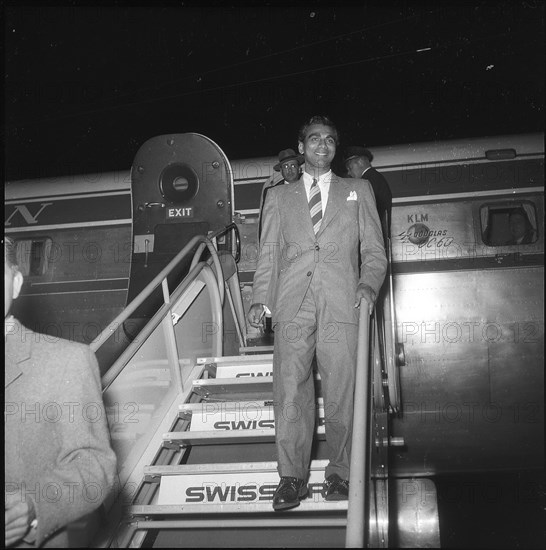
[[119, 364], [357, 514], [392, 358], [214, 253], [158, 279], [238, 310], [216, 234], [144, 293]]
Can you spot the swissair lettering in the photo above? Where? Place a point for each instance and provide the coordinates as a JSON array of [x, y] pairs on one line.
[[238, 493]]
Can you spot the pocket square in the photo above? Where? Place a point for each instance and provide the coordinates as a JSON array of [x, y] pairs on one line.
[[352, 196]]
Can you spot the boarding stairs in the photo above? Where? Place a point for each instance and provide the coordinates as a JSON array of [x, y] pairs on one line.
[[225, 436], [197, 464]]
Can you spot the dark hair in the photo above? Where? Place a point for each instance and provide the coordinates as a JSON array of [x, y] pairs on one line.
[[10, 252], [317, 119]]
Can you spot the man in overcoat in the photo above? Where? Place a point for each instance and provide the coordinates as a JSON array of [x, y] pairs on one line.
[[59, 465]]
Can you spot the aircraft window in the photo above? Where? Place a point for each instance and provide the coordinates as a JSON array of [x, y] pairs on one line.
[[509, 224], [33, 256]]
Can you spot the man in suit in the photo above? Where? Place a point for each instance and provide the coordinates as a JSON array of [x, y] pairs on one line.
[[358, 161], [59, 465], [308, 275], [289, 167]]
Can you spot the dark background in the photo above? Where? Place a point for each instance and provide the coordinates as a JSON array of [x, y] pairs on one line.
[[86, 85]]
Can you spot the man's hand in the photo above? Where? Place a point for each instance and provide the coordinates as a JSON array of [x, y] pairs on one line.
[[255, 315], [365, 292], [18, 517]]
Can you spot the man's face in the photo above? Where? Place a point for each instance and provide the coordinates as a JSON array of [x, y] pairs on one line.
[[354, 167], [12, 286], [290, 170], [517, 225], [319, 147]]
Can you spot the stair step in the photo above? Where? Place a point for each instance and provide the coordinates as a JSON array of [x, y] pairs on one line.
[[237, 366], [230, 467], [256, 349], [233, 415], [207, 407], [213, 386], [235, 359], [222, 436], [262, 368], [245, 384], [223, 416], [264, 508], [240, 489]]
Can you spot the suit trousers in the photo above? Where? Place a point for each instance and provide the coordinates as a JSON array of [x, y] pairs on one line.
[[296, 343]]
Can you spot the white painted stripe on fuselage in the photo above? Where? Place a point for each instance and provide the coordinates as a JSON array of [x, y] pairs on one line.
[[443, 197], [76, 292], [84, 196], [81, 281], [468, 195], [103, 223]]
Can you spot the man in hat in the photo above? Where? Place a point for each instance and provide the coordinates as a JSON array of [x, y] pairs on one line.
[[358, 164], [289, 167]]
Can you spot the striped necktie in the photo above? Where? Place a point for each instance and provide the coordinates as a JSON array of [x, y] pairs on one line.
[[315, 206]]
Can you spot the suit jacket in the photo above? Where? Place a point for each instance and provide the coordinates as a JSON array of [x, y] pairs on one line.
[[268, 185], [57, 446], [291, 254], [382, 192]]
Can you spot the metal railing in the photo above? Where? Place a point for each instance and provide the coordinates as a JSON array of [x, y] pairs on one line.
[[358, 510], [197, 267]]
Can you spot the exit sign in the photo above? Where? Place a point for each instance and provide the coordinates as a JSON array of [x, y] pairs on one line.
[[176, 213]]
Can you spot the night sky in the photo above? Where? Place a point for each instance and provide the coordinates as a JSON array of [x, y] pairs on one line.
[[85, 86]]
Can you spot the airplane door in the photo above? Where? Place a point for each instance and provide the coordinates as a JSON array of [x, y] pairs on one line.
[[181, 186]]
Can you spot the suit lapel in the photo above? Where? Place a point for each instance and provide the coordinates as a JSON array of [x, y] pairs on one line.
[[300, 207]]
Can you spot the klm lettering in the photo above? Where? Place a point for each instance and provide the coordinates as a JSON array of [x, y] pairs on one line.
[[412, 218], [29, 217]]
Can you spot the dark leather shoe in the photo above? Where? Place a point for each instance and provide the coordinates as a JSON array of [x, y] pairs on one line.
[[335, 488], [289, 493]]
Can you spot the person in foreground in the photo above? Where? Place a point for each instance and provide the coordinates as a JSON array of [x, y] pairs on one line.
[[59, 465], [308, 271]]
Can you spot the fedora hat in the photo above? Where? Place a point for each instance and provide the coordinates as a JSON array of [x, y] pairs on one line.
[[356, 151], [287, 154]]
